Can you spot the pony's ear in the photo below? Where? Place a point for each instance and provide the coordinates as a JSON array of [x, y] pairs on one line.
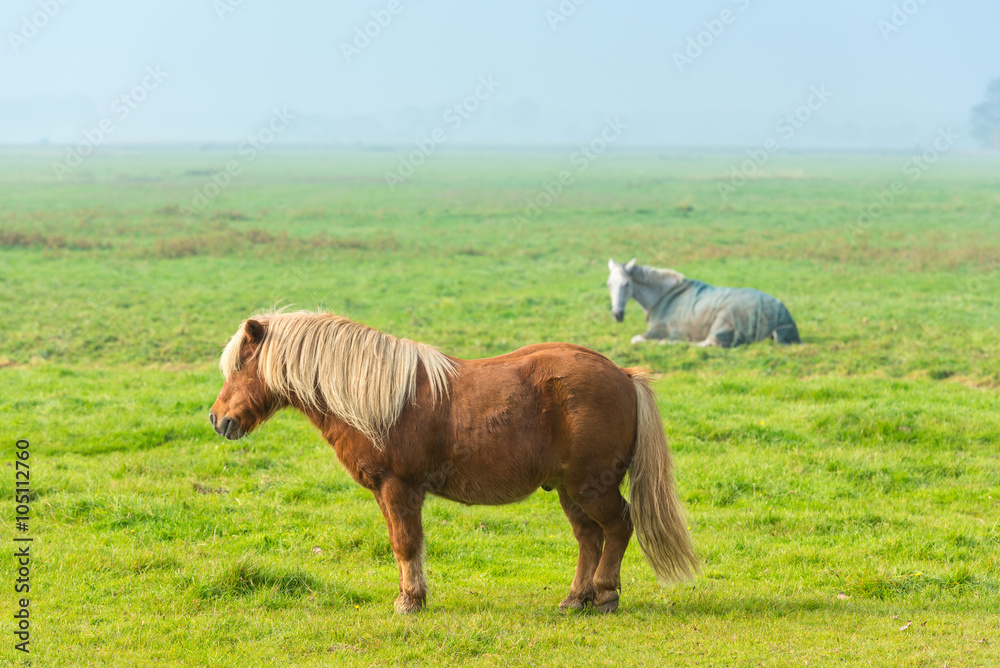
[[254, 331], [611, 264], [629, 266]]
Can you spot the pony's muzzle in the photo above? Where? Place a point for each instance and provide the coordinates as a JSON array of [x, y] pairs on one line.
[[619, 315], [227, 427]]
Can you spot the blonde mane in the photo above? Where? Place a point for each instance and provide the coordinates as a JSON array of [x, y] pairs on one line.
[[354, 372]]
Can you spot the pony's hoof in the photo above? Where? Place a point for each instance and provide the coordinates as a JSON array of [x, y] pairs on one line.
[[572, 603], [606, 601], [638, 338], [407, 604]]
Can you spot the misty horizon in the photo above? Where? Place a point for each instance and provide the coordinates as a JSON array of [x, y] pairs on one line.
[[726, 74]]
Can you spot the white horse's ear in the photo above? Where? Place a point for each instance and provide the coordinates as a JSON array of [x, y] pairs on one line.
[[629, 266], [611, 264]]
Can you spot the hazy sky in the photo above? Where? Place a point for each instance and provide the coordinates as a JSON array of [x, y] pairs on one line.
[[224, 65]]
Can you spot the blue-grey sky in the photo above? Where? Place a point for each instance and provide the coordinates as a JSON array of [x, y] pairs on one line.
[[891, 72]]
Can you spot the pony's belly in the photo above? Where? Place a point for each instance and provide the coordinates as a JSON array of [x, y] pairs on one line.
[[485, 484], [486, 493], [490, 497]]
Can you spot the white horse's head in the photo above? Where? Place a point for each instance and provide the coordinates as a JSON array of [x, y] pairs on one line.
[[620, 286]]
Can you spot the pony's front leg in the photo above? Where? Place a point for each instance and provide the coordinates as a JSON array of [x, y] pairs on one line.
[[401, 504]]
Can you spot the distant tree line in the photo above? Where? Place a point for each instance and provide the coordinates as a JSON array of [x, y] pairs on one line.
[[986, 117]]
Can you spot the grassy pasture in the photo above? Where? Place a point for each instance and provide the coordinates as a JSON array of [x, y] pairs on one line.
[[844, 494]]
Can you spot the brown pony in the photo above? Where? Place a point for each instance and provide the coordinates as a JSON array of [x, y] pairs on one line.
[[406, 420]]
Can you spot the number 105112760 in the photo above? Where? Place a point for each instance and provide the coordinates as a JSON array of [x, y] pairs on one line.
[[22, 481]]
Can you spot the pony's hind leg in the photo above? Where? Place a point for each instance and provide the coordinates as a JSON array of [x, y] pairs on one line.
[[590, 537], [401, 504], [611, 511]]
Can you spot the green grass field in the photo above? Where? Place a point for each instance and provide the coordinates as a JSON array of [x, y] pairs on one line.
[[844, 494]]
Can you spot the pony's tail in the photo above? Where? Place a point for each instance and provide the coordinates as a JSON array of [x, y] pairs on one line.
[[657, 515]]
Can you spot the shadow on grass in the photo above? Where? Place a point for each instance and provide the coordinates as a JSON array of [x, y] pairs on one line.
[[717, 604], [246, 578], [866, 594]]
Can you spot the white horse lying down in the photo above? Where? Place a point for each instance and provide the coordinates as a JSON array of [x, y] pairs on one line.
[[680, 309]]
